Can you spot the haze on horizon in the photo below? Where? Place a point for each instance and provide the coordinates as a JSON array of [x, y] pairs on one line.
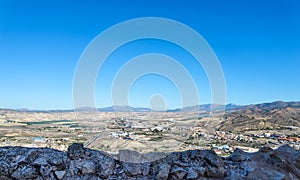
[[257, 44]]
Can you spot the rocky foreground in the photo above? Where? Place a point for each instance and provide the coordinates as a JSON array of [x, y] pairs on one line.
[[82, 163]]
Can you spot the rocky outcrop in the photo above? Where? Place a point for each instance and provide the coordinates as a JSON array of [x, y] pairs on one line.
[[82, 163]]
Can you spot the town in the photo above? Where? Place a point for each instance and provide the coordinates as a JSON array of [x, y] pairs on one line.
[[139, 131]]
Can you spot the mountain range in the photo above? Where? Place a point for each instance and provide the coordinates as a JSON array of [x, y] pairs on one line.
[[253, 108]]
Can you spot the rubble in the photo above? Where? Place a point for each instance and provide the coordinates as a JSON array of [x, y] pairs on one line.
[[83, 163]]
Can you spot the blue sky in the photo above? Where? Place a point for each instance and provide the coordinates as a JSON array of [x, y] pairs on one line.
[[257, 43]]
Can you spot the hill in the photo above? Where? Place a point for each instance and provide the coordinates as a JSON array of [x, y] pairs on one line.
[[275, 115]]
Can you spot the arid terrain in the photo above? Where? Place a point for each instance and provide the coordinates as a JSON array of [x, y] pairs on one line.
[[246, 127]]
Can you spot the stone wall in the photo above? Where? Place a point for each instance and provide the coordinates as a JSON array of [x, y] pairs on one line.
[[83, 163]]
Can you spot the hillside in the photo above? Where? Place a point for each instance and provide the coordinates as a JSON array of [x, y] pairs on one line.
[[275, 115]]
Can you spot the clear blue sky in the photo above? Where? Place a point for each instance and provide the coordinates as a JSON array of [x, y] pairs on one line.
[[257, 43]]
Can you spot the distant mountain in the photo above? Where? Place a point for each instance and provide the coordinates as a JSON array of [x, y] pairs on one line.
[[204, 107], [274, 105], [207, 108], [124, 109]]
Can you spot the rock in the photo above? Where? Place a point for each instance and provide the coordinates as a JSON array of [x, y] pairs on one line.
[[286, 148], [274, 175], [88, 167], [146, 168], [132, 169], [106, 167], [192, 174], [185, 156], [276, 160], [163, 172], [26, 172], [213, 172], [41, 161], [32, 155], [60, 174], [45, 170], [297, 162], [136, 157], [265, 149], [4, 168], [178, 173], [213, 159], [239, 156], [76, 151], [194, 154], [83, 163], [199, 170], [59, 160]]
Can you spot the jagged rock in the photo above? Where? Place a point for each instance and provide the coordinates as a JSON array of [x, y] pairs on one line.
[[45, 170], [163, 172], [239, 156], [276, 160], [199, 170], [178, 173], [194, 154], [32, 155], [213, 159], [275, 175], [76, 151], [136, 157], [106, 167], [59, 160], [41, 161], [146, 168], [132, 169], [192, 174], [88, 167], [4, 168], [286, 149], [297, 162], [26, 172], [265, 149], [213, 172], [60, 174], [83, 163]]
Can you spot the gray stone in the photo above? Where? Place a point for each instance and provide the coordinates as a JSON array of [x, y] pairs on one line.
[[163, 171], [76, 151], [45, 170], [4, 168], [275, 175], [178, 173], [41, 161], [132, 169], [60, 174], [146, 169], [82, 163], [58, 160], [192, 174], [199, 170], [213, 159], [107, 165], [239, 156], [26, 172], [88, 167], [276, 160], [213, 172], [136, 157]]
